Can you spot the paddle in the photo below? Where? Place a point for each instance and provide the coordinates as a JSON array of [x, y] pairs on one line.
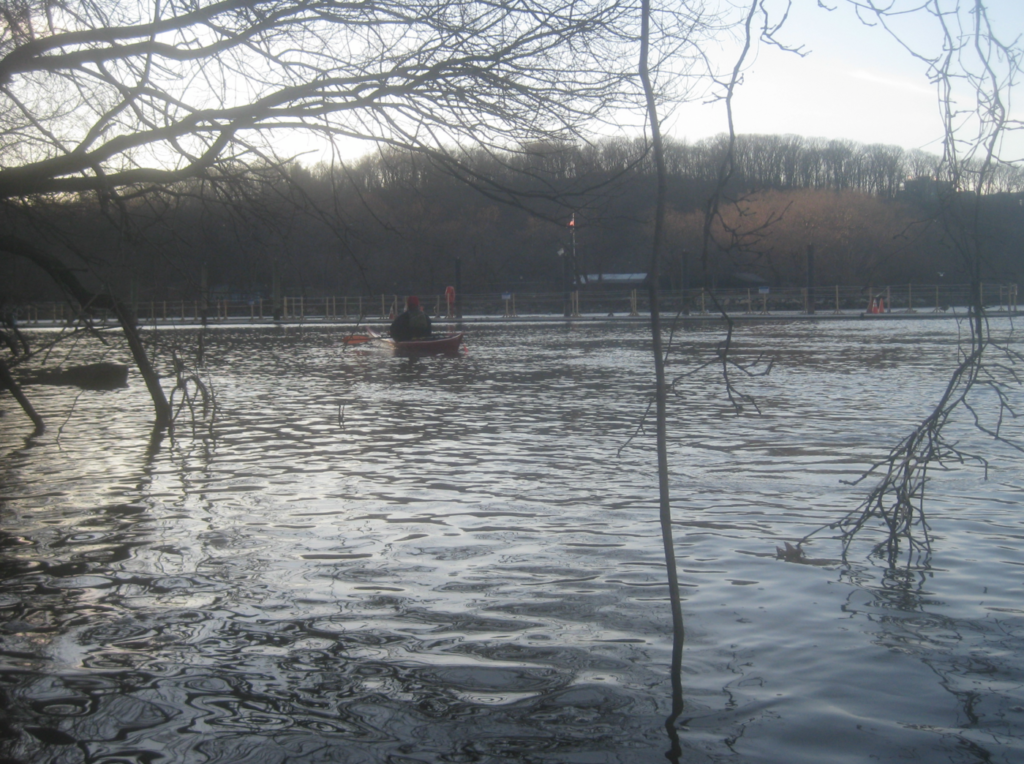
[[359, 339]]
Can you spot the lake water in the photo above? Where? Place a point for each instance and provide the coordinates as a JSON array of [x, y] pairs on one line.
[[380, 559]]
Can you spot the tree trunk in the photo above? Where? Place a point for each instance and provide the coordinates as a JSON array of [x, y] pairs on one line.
[[8, 381], [67, 280], [661, 394]]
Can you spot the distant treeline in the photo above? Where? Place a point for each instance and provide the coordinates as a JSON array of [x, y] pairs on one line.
[[761, 162], [395, 222]]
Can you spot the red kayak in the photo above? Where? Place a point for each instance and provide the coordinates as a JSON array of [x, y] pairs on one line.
[[359, 339], [434, 345]]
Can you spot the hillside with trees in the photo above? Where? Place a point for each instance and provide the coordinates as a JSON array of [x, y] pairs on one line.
[[394, 222]]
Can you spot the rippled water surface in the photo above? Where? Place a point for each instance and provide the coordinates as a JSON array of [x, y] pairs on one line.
[[380, 559]]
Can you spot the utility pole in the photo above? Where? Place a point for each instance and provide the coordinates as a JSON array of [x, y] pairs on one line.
[[810, 279], [565, 281], [684, 279]]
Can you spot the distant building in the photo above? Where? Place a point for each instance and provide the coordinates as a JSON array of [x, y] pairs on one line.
[[735, 280], [924, 190], [748, 279], [614, 280]]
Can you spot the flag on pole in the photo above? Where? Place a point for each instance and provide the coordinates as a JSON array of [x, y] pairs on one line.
[[572, 221]]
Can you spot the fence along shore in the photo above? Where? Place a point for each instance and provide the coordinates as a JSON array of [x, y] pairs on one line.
[[907, 300]]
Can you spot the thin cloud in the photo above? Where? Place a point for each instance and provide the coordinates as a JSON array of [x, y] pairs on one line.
[[911, 87]]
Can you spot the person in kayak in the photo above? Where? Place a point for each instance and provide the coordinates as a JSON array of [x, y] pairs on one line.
[[413, 324]]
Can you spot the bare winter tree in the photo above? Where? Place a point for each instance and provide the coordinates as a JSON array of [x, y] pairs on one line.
[[975, 70], [972, 60], [648, 79], [119, 100]]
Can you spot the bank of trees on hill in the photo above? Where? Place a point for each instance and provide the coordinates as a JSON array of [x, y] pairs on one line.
[[395, 220]]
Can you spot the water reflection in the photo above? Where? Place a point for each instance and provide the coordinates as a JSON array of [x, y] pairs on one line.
[[460, 569], [906, 606]]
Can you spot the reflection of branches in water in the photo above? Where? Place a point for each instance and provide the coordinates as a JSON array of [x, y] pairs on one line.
[[760, 366], [723, 355], [191, 391], [71, 411], [897, 499], [191, 455], [973, 658]]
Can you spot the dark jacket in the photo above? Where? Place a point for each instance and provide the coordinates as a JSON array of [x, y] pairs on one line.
[[414, 324]]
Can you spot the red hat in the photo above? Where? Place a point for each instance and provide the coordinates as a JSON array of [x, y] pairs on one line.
[[413, 302]]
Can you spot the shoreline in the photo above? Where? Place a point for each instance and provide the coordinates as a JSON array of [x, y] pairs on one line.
[[779, 316]]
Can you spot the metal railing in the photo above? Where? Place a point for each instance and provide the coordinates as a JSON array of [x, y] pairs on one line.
[[823, 300]]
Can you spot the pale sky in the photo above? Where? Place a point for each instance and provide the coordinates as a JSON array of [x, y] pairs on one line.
[[856, 83]]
